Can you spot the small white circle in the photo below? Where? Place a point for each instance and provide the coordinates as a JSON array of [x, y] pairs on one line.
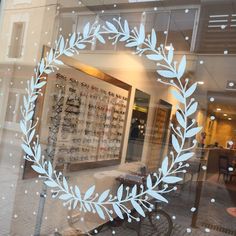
[[201, 62], [193, 209], [186, 11], [188, 230], [212, 99], [212, 118], [231, 84]]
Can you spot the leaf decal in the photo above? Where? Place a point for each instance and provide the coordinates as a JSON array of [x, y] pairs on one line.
[[171, 179], [38, 169], [170, 54], [118, 211], [182, 66], [23, 127], [192, 109], [155, 57], [192, 132], [62, 45], [134, 190], [178, 96], [132, 44], [153, 39], [65, 197], [65, 184], [157, 196], [126, 28], [103, 196], [27, 149], [51, 184], [175, 143], [77, 192], [141, 34], [86, 30], [164, 166], [149, 182], [100, 38], [180, 119], [191, 90], [72, 40], [89, 192], [111, 26], [120, 192], [166, 73], [137, 207], [184, 157], [100, 212]]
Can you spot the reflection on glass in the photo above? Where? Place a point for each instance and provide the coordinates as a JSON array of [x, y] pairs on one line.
[[138, 126]]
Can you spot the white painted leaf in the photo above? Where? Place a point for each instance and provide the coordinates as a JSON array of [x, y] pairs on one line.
[[192, 132], [180, 119], [184, 157], [86, 30], [157, 196], [192, 109], [89, 192], [103, 196], [164, 166], [175, 143], [118, 211], [191, 90], [171, 179], [182, 66], [137, 207]]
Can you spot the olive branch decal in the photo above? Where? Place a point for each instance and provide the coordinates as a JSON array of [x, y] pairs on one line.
[[106, 204]]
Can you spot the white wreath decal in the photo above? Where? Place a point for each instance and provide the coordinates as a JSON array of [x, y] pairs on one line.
[[176, 163]]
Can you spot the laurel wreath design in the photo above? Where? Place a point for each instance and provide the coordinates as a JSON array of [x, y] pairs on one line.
[[106, 205]]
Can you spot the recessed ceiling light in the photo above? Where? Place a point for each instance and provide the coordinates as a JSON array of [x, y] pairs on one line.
[[186, 38], [216, 16], [155, 8], [229, 118], [225, 114], [215, 21], [212, 117], [218, 109], [200, 82], [223, 27], [186, 10], [225, 52], [201, 62], [231, 84], [212, 99]]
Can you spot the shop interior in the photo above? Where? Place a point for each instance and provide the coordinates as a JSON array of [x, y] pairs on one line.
[[106, 120]]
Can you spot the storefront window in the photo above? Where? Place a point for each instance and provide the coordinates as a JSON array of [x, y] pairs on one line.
[[117, 118]]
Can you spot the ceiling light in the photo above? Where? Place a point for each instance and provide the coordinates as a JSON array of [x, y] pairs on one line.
[[229, 118], [215, 21], [212, 117], [223, 27], [225, 115], [214, 26], [218, 109], [186, 38], [155, 8], [212, 99], [226, 52], [213, 16], [186, 10], [200, 82], [231, 84], [201, 62]]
